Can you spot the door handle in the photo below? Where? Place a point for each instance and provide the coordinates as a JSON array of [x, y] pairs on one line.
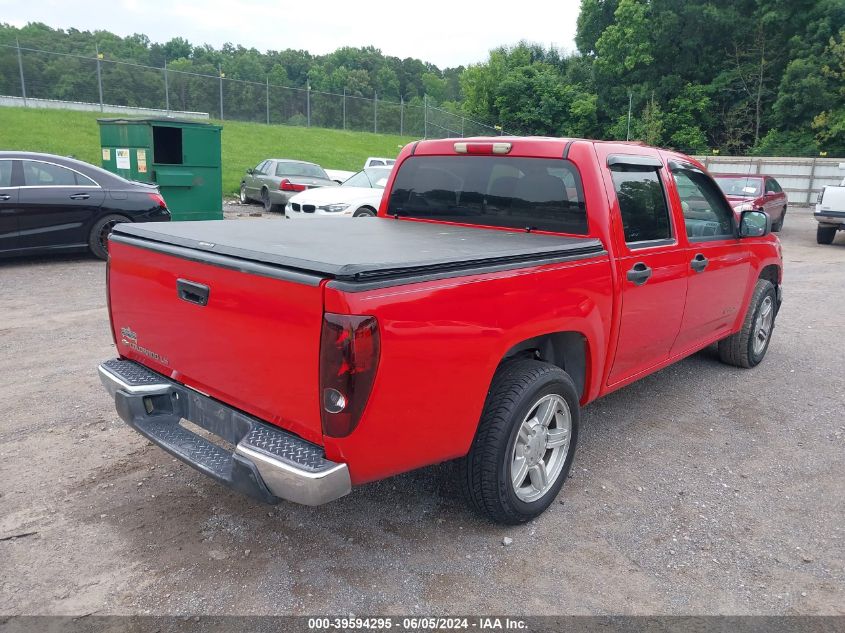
[[699, 263], [4, 197], [79, 196], [639, 274]]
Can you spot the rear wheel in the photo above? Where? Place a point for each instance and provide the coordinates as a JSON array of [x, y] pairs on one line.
[[525, 442], [265, 200], [98, 240], [825, 234], [747, 347]]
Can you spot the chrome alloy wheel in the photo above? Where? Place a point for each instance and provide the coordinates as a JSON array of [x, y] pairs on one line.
[[763, 324], [541, 447]]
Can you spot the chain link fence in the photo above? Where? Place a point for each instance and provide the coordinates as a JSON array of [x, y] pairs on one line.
[[30, 73]]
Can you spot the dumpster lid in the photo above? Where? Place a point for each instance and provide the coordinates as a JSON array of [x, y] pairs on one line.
[[154, 120]]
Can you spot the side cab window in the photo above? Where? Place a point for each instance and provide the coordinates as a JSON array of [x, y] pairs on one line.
[[707, 215]]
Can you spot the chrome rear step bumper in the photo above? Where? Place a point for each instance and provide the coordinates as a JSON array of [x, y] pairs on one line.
[[267, 463]]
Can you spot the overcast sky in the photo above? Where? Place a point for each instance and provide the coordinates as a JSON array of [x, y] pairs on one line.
[[446, 33]]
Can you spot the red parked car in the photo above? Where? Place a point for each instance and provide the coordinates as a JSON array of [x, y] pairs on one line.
[[755, 192], [505, 284]]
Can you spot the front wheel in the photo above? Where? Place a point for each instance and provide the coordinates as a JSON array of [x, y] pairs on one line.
[[777, 226], [98, 239], [364, 212], [825, 234], [243, 195], [747, 347], [525, 442]]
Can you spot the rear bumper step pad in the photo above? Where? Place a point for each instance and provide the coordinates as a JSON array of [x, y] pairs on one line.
[[268, 463]]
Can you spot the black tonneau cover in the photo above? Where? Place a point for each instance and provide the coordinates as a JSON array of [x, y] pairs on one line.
[[362, 249]]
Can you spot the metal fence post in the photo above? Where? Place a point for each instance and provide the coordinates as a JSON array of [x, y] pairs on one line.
[[463, 120], [267, 98], [344, 108], [375, 113], [220, 72], [20, 67], [401, 116], [100, 76], [812, 181], [166, 89], [425, 116], [308, 104]]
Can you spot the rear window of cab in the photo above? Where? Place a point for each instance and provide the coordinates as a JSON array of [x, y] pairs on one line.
[[542, 194]]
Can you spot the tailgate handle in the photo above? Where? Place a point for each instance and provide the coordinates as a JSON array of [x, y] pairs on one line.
[[192, 292]]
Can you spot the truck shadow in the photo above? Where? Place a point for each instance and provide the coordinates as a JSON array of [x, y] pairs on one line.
[[48, 260]]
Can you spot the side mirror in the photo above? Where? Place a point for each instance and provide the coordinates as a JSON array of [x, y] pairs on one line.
[[754, 224], [250, 171]]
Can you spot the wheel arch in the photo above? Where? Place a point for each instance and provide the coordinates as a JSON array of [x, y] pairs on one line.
[[770, 273], [566, 349]]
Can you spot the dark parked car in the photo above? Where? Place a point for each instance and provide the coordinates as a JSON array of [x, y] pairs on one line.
[[753, 192], [275, 180], [51, 204]]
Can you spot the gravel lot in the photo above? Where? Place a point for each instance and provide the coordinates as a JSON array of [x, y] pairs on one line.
[[702, 489]]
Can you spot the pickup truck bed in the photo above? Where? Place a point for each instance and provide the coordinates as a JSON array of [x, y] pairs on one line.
[[371, 250]]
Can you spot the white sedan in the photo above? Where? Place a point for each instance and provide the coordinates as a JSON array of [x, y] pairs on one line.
[[359, 196]]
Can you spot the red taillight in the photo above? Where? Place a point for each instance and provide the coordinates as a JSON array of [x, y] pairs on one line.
[[287, 185], [156, 197], [349, 354]]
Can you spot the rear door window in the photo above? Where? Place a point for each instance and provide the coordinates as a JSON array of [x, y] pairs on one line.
[[38, 174], [5, 173], [509, 192], [642, 203]]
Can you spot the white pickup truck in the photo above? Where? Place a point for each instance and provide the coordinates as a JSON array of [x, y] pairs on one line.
[[830, 211]]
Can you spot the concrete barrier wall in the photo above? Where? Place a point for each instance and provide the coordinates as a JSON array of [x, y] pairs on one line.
[[801, 178], [51, 104]]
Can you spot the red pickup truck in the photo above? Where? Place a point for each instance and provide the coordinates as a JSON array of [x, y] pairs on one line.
[[505, 283]]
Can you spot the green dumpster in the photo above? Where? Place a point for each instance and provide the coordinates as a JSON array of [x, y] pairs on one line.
[[182, 157]]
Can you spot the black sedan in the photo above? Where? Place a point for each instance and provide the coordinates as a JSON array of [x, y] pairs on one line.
[[51, 204]]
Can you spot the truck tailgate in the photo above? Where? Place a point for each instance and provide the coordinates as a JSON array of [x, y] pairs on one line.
[[253, 343]]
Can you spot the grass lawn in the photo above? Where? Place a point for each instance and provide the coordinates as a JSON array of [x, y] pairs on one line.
[[67, 132]]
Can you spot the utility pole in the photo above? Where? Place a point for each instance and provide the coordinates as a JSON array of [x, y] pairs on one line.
[[166, 87], [375, 113], [267, 98], [100, 76], [630, 102], [401, 116], [220, 72], [425, 116], [20, 67], [344, 108], [308, 103]]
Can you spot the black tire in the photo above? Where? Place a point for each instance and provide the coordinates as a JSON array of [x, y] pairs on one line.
[[485, 473], [777, 226], [364, 212], [825, 234], [243, 196], [99, 236], [269, 207], [739, 349]]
